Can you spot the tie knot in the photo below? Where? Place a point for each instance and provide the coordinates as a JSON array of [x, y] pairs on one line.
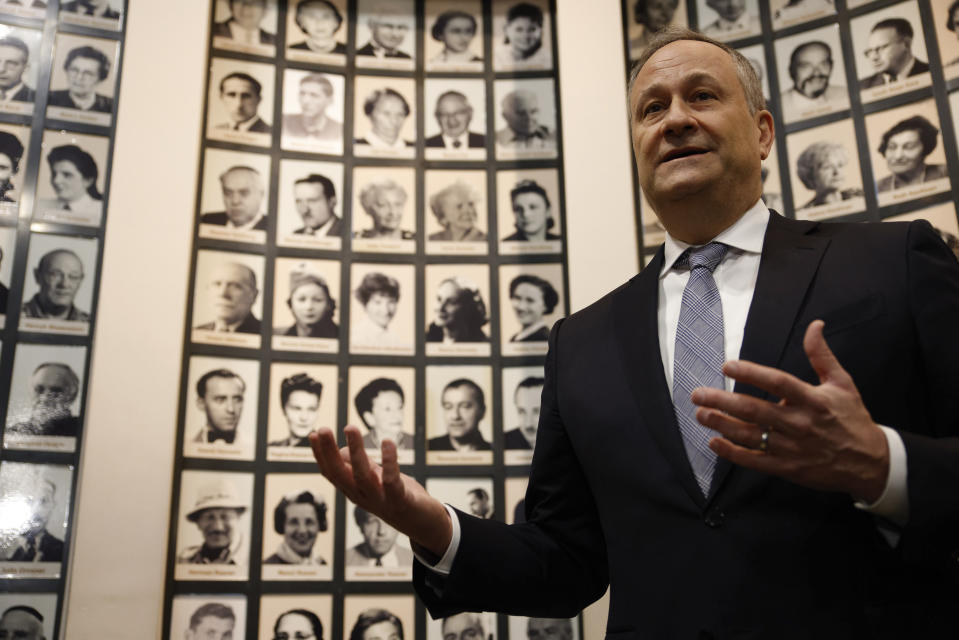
[[708, 255]]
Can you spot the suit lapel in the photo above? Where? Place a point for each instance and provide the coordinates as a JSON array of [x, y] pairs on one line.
[[637, 330]]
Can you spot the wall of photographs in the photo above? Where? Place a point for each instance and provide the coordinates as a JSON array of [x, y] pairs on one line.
[[863, 96], [379, 241], [59, 76]]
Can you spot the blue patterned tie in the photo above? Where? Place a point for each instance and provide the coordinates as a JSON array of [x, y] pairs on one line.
[[699, 355]]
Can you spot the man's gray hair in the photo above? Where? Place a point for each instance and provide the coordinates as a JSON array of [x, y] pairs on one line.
[[752, 86]]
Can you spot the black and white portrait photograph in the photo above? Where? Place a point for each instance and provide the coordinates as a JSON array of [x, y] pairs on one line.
[[227, 305], [522, 35], [522, 389], [907, 152], [455, 128], [646, 17], [19, 68], [30, 616], [459, 424], [942, 217], [312, 111], [303, 615], [528, 211], [310, 205], [786, 13], [8, 245], [812, 75], [543, 628], [470, 495], [384, 119], [305, 297], [384, 209], [208, 616], [240, 102], [83, 79], [457, 310], [756, 55], [247, 26], [457, 215], [213, 525], [99, 14], [826, 176], [525, 119], [382, 401], [728, 20], [302, 399], [772, 184], [381, 309], [891, 55], [454, 35], [515, 490], [379, 617], [234, 197], [375, 551], [462, 626], [220, 408], [58, 284], [36, 9], [44, 412], [946, 22], [34, 499], [385, 34], [298, 512], [316, 31], [14, 141], [532, 298], [72, 178]]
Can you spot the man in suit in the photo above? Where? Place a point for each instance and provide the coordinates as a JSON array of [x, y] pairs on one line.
[[232, 291], [712, 508], [313, 123], [889, 49], [242, 200], [526, 399], [378, 548], [243, 25], [454, 114], [14, 60], [315, 198], [388, 29], [86, 68], [241, 94], [219, 397], [463, 406], [94, 8], [34, 543], [58, 275]]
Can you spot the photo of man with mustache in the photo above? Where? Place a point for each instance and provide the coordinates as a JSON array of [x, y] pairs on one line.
[[810, 67]]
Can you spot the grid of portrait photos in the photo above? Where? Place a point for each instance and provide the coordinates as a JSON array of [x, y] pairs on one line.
[[863, 95], [379, 242], [59, 82]]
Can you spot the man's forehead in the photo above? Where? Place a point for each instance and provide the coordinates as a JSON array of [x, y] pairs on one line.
[[233, 273], [451, 101], [7, 50], [884, 34], [242, 176], [64, 260], [684, 59], [238, 84]]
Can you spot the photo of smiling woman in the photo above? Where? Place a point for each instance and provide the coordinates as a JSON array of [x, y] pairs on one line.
[[534, 294], [70, 183], [386, 196], [528, 211], [522, 29], [455, 36], [298, 527], [382, 311]]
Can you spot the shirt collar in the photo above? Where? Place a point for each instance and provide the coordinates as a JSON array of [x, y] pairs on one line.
[[12, 91], [902, 75], [746, 235], [248, 226], [380, 143]]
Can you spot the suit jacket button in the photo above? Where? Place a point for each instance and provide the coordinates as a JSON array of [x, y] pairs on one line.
[[715, 518]]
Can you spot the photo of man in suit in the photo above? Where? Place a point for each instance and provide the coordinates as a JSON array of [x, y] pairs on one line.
[[219, 397], [54, 387], [28, 539], [889, 50], [315, 198], [379, 548], [526, 400], [388, 29], [240, 94], [93, 8], [14, 60], [670, 438], [211, 621], [242, 200], [454, 114], [59, 274], [232, 291], [313, 123], [86, 67], [463, 405], [243, 25]]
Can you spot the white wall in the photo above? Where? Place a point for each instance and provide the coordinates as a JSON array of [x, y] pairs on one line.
[[119, 556]]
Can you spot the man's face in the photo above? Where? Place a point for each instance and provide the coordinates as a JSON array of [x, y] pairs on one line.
[[812, 70], [527, 410], [461, 411], [387, 118], [904, 152], [728, 9], [386, 416], [240, 99], [248, 13], [12, 65], [242, 196], [378, 535], [658, 14], [232, 293], [217, 525], [20, 625], [522, 113], [59, 279], [301, 410], [314, 99], [83, 75], [453, 114], [53, 391], [223, 403], [387, 209], [692, 129], [41, 507], [319, 22], [6, 168], [212, 628], [301, 528], [388, 31], [459, 210], [312, 204], [549, 629], [887, 51], [462, 626], [479, 505]]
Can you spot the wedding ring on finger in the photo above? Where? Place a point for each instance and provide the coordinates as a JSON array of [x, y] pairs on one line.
[[763, 441]]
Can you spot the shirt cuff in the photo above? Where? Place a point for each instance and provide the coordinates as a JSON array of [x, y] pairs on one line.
[[445, 564], [893, 504]]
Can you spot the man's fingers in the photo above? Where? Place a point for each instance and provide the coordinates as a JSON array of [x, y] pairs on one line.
[[748, 409], [392, 482], [778, 383], [744, 433], [363, 473], [821, 357], [328, 457], [744, 456]]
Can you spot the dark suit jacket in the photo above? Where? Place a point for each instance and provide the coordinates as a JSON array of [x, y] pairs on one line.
[[220, 218], [474, 140], [612, 497], [367, 50], [222, 30], [876, 79], [250, 324], [336, 229], [78, 7], [101, 104], [25, 94], [514, 439]]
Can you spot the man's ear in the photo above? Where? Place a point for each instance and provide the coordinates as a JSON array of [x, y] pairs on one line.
[[767, 132]]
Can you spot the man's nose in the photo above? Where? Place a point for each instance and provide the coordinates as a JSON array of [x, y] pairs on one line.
[[678, 120]]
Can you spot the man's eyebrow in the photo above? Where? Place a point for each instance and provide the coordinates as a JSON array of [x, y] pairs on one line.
[[693, 78]]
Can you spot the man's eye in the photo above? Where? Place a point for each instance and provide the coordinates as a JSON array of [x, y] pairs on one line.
[[704, 95], [652, 108]]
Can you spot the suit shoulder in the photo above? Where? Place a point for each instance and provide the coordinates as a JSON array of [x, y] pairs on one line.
[[593, 320]]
